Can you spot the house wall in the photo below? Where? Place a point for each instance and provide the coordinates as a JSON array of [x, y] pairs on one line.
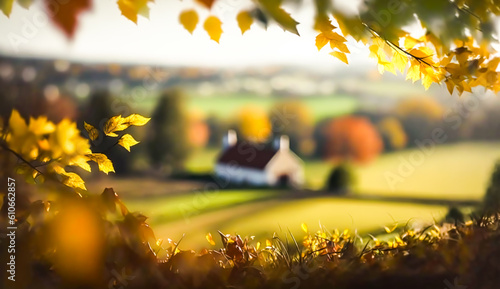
[[285, 162], [241, 175]]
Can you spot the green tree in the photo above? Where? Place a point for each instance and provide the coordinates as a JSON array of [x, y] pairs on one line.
[[167, 141], [492, 198]]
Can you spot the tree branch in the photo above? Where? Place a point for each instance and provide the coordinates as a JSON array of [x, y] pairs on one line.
[[5, 147]]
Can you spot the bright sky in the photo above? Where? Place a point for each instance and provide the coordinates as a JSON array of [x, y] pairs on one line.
[[105, 35]]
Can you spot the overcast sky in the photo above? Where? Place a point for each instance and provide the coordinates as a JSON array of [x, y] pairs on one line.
[[105, 35]]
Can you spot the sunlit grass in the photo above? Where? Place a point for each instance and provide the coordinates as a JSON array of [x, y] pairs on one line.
[[455, 171], [262, 219], [170, 208], [202, 160]]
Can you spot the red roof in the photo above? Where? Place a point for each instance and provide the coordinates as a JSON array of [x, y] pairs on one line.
[[247, 154]]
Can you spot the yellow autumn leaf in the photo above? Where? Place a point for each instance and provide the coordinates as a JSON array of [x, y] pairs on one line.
[[321, 41], [339, 45], [449, 85], [273, 9], [116, 123], [41, 126], [17, 124], [210, 239], [136, 119], [322, 23], [104, 164], [351, 25], [386, 66], [20, 139], [131, 8], [493, 63], [127, 141], [400, 61], [334, 36], [189, 19], [6, 6], [410, 42], [427, 81], [413, 72], [422, 52], [25, 3], [304, 227], [80, 161], [269, 243], [245, 20], [91, 130], [69, 179], [340, 55], [73, 180], [213, 27]]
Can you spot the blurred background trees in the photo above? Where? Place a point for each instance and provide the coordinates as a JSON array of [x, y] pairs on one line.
[[419, 116], [393, 134], [351, 139], [167, 139], [294, 119], [254, 124]]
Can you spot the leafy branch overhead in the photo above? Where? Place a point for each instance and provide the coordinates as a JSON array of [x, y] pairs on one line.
[[49, 150], [446, 42]]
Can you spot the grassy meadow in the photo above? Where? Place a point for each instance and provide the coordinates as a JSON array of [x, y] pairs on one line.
[[226, 106], [453, 171], [463, 170], [262, 218]]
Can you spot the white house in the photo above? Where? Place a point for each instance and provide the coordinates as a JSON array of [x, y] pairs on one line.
[[246, 163]]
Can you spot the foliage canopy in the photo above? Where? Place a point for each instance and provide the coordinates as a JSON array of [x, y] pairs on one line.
[[435, 41]]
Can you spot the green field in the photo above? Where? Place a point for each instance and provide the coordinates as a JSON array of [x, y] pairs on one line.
[[452, 172], [226, 106], [257, 213], [456, 171]]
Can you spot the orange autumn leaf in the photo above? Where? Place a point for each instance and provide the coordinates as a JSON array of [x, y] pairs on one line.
[[206, 3], [67, 15]]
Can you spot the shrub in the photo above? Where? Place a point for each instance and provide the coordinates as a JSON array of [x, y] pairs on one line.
[[340, 180]]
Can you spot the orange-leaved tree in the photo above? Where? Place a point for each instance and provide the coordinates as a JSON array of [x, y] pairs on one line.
[[351, 139]]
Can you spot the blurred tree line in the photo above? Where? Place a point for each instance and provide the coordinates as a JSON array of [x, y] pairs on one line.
[[176, 131]]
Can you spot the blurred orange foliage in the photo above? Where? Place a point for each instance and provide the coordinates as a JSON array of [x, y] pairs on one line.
[[352, 138], [254, 124]]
